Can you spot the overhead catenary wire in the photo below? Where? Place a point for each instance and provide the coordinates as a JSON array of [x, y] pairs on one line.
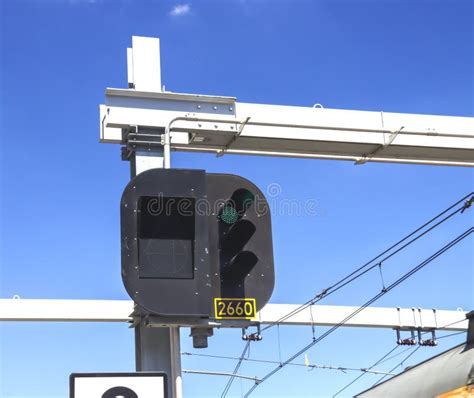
[[310, 366], [236, 369], [395, 355], [379, 361], [368, 303], [390, 372], [362, 270], [214, 373], [437, 338], [398, 365], [451, 334], [386, 359], [450, 324]]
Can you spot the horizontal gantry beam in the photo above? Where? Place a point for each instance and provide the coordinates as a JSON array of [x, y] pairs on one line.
[[317, 315], [223, 125]]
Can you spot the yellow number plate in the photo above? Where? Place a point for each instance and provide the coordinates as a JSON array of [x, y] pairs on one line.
[[235, 308]]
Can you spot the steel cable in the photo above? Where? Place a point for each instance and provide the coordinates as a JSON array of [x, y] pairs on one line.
[[357, 274], [368, 303], [384, 359], [236, 369], [397, 365]]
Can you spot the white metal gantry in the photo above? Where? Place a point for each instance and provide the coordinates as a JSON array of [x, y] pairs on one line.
[[315, 315], [194, 122]]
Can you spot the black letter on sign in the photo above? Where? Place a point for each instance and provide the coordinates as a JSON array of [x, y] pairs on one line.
[[122, 392]]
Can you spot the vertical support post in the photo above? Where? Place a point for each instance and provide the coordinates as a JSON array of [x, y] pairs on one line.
[[144, 64], [145, 160], [167, 149], [156, 349]]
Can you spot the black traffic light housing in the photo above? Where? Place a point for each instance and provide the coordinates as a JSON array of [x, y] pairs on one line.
[[189, 237], [240, 238]]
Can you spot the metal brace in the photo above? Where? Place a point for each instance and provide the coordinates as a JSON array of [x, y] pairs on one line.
[[253, 336], [233, 138], [140, 140], [365, 158], [408, 341], [428, 342]]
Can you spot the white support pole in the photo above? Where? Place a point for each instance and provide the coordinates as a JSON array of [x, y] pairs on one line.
[[144, 64], [15, 310], [156, 349], [167, 149]]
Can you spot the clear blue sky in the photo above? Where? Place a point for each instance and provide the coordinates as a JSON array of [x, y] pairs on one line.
[[60, 188]]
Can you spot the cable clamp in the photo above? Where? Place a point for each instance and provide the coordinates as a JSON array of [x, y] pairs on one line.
[[467, 204], [252, 336], [322, 294]]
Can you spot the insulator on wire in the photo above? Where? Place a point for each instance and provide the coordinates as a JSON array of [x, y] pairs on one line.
[[428, 342], [407, 341], [412, 340]]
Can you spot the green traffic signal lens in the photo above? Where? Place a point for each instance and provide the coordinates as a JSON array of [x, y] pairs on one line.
[[229, 215], [238, 204]]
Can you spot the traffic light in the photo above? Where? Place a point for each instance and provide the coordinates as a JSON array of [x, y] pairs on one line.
[[241, 236], [190, 240]]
